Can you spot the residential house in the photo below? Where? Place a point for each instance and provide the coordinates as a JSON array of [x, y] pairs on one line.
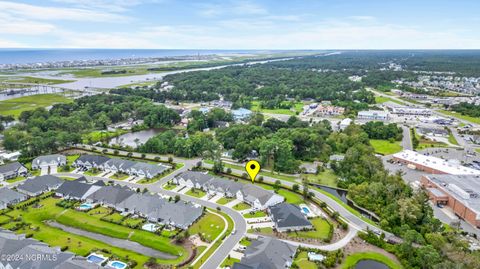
[[116, 165], [289, 217], [147, 170], [192, 179], [88, 161], [12, 170], [49, 160], [267, 252], [10, 197], [110, 196], [258, 197], [78, 189], [38, 185]]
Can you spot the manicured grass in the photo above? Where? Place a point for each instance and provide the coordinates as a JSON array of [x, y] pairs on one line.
[[209, 227], [298, 107], [301, 260], [427, 143], [385, 147], [321, 230], [224, 200], [16, 179], [245, 242], [92, 172], [327, 178], [290, 196], [452, 140], [16, 106], [229, 261], [133, 222], [265, 230], [119, 176], [169, 187], [460, 116], [353, 259], [82, 246], [115, 217], [196, 193], [241, 206], [257, 214]]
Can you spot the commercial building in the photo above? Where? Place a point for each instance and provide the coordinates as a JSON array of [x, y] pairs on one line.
[[373, 115], [459, 192], [241, 114], [431, 164]]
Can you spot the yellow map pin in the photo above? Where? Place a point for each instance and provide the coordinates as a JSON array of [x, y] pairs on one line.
[[252, 167]]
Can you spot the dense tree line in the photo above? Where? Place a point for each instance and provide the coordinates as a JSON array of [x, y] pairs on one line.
[[379, 130], [41, 131], [199, 120], [467, 109]]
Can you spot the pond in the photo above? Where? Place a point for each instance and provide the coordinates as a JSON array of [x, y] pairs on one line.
[[370, 264], [130, 139], [15, 93]]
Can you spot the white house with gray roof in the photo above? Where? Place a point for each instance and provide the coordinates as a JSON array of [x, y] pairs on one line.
[[267, 253], [89, 161], [147, 170], [10, 197], [38, 185], [289, 217], [12, 170], [258, 197], [49, 161]]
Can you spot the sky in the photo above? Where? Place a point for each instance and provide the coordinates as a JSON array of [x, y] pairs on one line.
[[237, 24]]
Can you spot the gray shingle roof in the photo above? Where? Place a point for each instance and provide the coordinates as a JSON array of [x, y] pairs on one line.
[[48, 159], [267, 253], [111, 194], [74, 189], [10, 167], [152, 169], [40, 184], [288, 215], [8, 196], [94, 159]]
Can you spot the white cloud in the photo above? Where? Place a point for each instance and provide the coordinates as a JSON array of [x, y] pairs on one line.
[[57, 13], [14, 25], [110, 5], [11, 44]]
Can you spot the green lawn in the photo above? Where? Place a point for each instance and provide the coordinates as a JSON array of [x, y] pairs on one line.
[[301, 260], [196, 193], [242, 206], [321, 230], [16, 179], [102, 135], [384, 147], [353, 259], [245, 242], [209, 227], [297, 109], [262, 173], [169, 187], [119, 176], [229, 261], [327, 178], [115, 217], [16, 106], [460, 116], [82, 246], [427, 143], [266, 230], [382, 99], [224, 200], [92, 172], [452, 140], [290, 196], [257, 214]]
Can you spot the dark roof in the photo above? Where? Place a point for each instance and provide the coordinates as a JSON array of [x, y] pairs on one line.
[[9, 167], [111, 194], [267, 253], [40, 184], [96, 159], [8, 196], [75, 189], [288, 215]]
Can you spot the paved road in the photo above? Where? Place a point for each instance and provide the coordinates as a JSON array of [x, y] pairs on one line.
[[407, 138]]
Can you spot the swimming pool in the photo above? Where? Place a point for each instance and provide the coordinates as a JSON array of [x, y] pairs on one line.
[[150, 227], [117, 265], [96, 258], [85, 206], [305, 210]]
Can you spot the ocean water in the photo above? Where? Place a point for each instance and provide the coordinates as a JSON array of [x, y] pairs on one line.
[[26, 56]]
